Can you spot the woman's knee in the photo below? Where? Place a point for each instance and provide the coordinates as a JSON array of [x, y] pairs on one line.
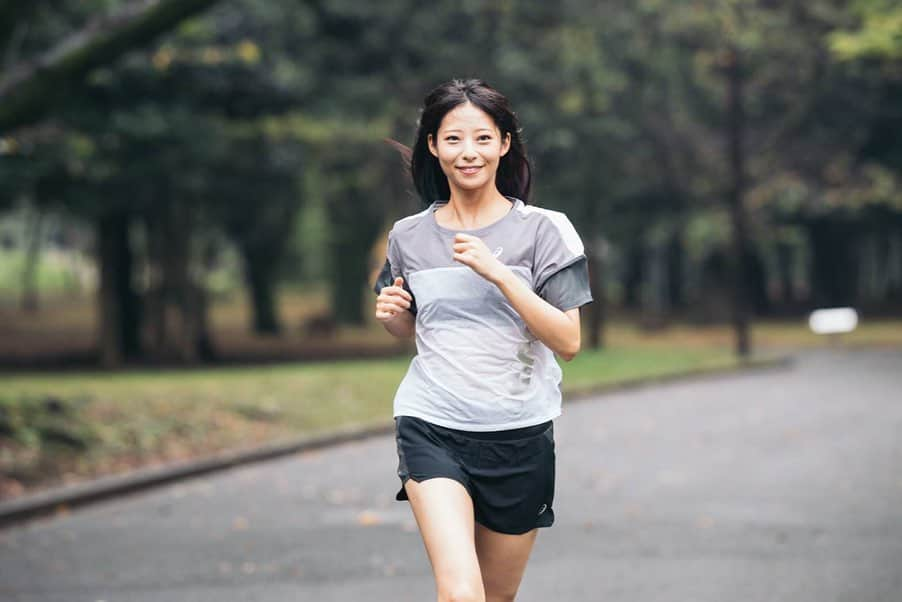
[[461, 592]]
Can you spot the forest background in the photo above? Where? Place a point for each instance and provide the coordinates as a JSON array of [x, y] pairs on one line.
[[205, 181]]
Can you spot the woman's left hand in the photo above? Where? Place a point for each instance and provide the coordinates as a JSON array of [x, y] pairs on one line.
[[472, 252]]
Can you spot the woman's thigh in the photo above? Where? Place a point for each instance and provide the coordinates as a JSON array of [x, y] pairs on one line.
[[502, 559], [443, 510]]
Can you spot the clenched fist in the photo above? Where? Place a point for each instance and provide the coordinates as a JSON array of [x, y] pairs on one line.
[[472, 252], [392, 300]]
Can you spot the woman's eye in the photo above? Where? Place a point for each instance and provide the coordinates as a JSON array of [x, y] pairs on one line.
[[484, 138], [451, 138]]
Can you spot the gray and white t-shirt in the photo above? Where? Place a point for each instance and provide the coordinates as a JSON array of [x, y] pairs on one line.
[[478, 367]]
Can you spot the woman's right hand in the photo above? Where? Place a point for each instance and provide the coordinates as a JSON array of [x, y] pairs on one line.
[[392, 300]]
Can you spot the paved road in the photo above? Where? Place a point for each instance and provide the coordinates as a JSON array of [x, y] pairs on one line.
[[772, 486]]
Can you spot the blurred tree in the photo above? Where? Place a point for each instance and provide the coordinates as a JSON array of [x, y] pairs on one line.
[[878, 35], [716, 107], [33, 85], [675, 135], [838, 176], [256, 200], [160, 137]]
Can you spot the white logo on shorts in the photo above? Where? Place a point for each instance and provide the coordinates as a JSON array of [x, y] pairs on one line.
[[498, 251], [543, 508]]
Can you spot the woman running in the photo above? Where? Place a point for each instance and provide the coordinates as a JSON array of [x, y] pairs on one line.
[[491, 288]]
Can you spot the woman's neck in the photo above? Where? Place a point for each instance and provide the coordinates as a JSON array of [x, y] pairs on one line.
[[472, 209]]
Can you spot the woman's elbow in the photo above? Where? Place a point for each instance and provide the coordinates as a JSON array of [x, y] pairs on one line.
[[569, 352]]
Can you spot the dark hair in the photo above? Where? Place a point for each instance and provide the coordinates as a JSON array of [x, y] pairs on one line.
[[514, 172]]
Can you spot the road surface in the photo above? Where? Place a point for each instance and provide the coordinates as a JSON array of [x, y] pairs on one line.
[[766, 486]]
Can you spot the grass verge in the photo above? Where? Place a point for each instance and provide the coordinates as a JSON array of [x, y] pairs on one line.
[[64, 428]]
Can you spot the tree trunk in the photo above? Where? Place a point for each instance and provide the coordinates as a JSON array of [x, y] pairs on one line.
[[355, 227], [676, 278], [739, 242], [349, 275], [178, 323], [119, 306], [756, 282], [633, 275], [833, 274], [785, 256], [260, 275]]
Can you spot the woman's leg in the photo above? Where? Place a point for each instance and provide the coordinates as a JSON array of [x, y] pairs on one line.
[[502, 558], [444, 513]]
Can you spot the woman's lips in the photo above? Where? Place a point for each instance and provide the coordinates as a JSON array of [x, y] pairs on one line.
[[469, 171]]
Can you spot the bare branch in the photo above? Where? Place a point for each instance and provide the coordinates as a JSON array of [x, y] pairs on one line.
[[32, 87]]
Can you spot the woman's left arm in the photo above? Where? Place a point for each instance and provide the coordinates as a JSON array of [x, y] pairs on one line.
[[559, 330]]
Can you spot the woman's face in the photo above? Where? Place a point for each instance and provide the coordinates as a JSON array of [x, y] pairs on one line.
[[469, 146]]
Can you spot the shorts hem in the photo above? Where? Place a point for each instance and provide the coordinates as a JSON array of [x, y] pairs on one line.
[[401, 496], [497, 529]]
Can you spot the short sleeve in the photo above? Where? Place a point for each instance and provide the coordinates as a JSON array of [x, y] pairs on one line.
[[557, 246], [391, 269], [568, 288], [384, 278]]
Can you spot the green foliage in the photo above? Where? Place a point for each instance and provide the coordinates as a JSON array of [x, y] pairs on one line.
[[265, 119], [879, 34], [47, 422]]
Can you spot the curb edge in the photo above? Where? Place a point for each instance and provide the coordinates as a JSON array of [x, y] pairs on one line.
[[62, 499]]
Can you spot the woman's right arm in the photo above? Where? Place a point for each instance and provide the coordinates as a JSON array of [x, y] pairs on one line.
[[392, 309]]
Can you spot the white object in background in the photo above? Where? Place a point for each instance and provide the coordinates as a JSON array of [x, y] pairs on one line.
[[833, 321]]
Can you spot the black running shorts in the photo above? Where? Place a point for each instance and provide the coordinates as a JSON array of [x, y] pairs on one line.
[[509, 474]]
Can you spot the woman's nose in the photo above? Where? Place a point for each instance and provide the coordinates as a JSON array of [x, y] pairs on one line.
[[468, 152]]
